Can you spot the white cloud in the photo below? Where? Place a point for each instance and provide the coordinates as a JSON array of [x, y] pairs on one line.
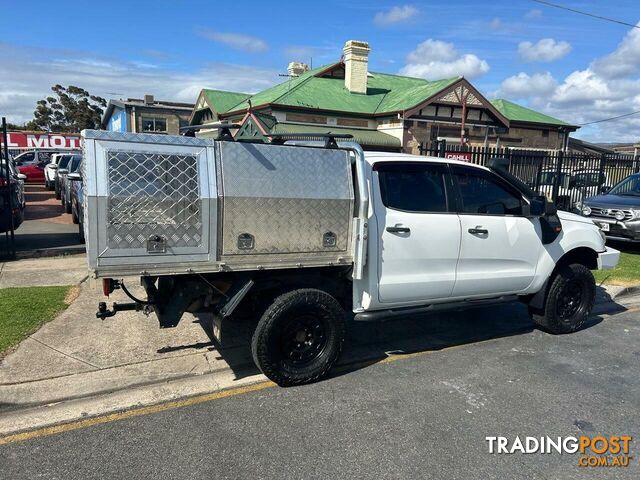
[[434, 59], [533, 13], [545, 50], [237, 41], [609, 86], [523, 85], [625, 60], [395, 15], [496, 24], [29, 73]]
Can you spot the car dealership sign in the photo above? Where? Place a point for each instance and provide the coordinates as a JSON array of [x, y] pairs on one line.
[[464, 156], [41, 140]]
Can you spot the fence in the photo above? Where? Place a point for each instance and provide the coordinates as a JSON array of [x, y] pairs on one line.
[[566, 178]]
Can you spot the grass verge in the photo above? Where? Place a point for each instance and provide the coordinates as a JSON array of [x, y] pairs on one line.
[[626, 273], [23, 310]]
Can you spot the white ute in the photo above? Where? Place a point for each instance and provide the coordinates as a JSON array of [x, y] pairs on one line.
[[298, 235]]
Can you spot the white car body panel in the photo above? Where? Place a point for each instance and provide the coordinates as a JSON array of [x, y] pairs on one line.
[[513, 261]]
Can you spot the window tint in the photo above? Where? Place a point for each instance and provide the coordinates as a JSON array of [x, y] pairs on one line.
[[45, 157], [482, 193], [64, 161], [413, 187], [75, 163], [26, 158]]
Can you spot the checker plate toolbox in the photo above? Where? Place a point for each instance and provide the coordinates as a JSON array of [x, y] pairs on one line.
[[160, 204]]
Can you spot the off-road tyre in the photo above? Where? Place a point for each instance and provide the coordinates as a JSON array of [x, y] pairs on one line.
[[277, 345], [569, 300]]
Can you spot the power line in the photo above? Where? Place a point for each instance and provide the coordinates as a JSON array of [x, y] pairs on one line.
[[610, 118], [586, 13]]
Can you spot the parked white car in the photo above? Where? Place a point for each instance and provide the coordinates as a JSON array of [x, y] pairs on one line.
[[51, 169], [299, 235]]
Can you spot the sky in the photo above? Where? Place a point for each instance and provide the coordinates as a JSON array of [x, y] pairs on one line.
[[573, 67]]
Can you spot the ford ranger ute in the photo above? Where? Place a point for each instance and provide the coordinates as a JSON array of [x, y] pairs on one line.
[[297, 233]]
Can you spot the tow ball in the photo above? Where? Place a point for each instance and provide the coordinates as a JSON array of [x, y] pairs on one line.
[[108, 286]]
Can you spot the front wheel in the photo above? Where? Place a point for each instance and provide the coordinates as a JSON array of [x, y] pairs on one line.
[[569, 302], [299, 337]]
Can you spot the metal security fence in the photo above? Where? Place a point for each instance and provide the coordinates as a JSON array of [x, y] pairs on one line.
[[566, 178]]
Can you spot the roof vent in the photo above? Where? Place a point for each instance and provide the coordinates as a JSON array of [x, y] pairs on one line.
[[148, 99]]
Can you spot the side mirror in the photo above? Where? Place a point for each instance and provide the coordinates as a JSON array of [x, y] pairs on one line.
[[604, 189], [540, 206], [53, 165], [75, 177], [537, 206], [63, 170], [21, 176]]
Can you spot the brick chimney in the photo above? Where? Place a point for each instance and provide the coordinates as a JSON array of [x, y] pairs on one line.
[[356, 61], [295, 69]]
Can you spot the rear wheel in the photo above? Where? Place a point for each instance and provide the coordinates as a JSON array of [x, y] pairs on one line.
[[299, 337], [569, 301]]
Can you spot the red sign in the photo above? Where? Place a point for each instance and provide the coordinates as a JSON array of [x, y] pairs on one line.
[[464, 156], [41, 140]]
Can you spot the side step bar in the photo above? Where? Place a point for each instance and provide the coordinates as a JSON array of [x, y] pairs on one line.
[[377, 315]]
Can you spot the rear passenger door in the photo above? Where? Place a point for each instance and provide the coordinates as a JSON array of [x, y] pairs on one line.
[[418, 231], [500, 247]]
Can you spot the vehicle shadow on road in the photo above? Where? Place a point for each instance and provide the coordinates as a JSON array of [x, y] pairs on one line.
[[371, 343]]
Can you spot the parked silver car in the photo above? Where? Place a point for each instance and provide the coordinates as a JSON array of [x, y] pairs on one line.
[[617, 211], [65, 187]]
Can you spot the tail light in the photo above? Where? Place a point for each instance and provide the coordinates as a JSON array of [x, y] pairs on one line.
[[108, 286]]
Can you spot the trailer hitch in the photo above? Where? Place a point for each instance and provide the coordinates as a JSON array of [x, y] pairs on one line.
[[109, 285], [103, 312]]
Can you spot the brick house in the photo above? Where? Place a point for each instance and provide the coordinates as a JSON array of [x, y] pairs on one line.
[[381, 111]]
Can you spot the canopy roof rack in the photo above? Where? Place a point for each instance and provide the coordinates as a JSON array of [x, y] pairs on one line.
[[224, 127], [328, 138]]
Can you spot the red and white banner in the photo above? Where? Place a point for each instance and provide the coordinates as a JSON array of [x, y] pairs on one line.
[[464, 156], [40, 140]]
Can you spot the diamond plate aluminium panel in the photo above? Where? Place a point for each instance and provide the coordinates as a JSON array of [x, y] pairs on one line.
[[146, 138], [286, 198]]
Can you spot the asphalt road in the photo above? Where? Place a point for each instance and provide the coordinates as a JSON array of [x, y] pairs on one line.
[[426, 415]]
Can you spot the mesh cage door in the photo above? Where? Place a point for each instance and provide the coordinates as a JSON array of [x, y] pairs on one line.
[[156, 201]]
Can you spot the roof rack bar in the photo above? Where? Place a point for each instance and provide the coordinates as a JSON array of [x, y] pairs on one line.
[[329, 138], [224, 127]]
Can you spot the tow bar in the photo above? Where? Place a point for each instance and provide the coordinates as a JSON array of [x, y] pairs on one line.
[[108, 286]]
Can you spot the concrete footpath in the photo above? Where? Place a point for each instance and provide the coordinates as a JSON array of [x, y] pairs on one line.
[[78, 366]]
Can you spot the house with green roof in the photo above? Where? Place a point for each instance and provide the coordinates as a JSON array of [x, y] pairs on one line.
[[382, 111]]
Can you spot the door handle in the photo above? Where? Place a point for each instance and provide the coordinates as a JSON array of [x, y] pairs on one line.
[[479, 231], [398, 229]]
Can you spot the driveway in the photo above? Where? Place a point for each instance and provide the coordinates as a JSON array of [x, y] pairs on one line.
[[424, 414], [46, 226]]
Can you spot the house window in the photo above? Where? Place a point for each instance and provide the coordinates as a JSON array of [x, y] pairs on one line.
[[154, 124]]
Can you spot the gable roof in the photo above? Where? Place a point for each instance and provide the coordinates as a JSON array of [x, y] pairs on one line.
[[385, 93], [518, 113], [222, 100]]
